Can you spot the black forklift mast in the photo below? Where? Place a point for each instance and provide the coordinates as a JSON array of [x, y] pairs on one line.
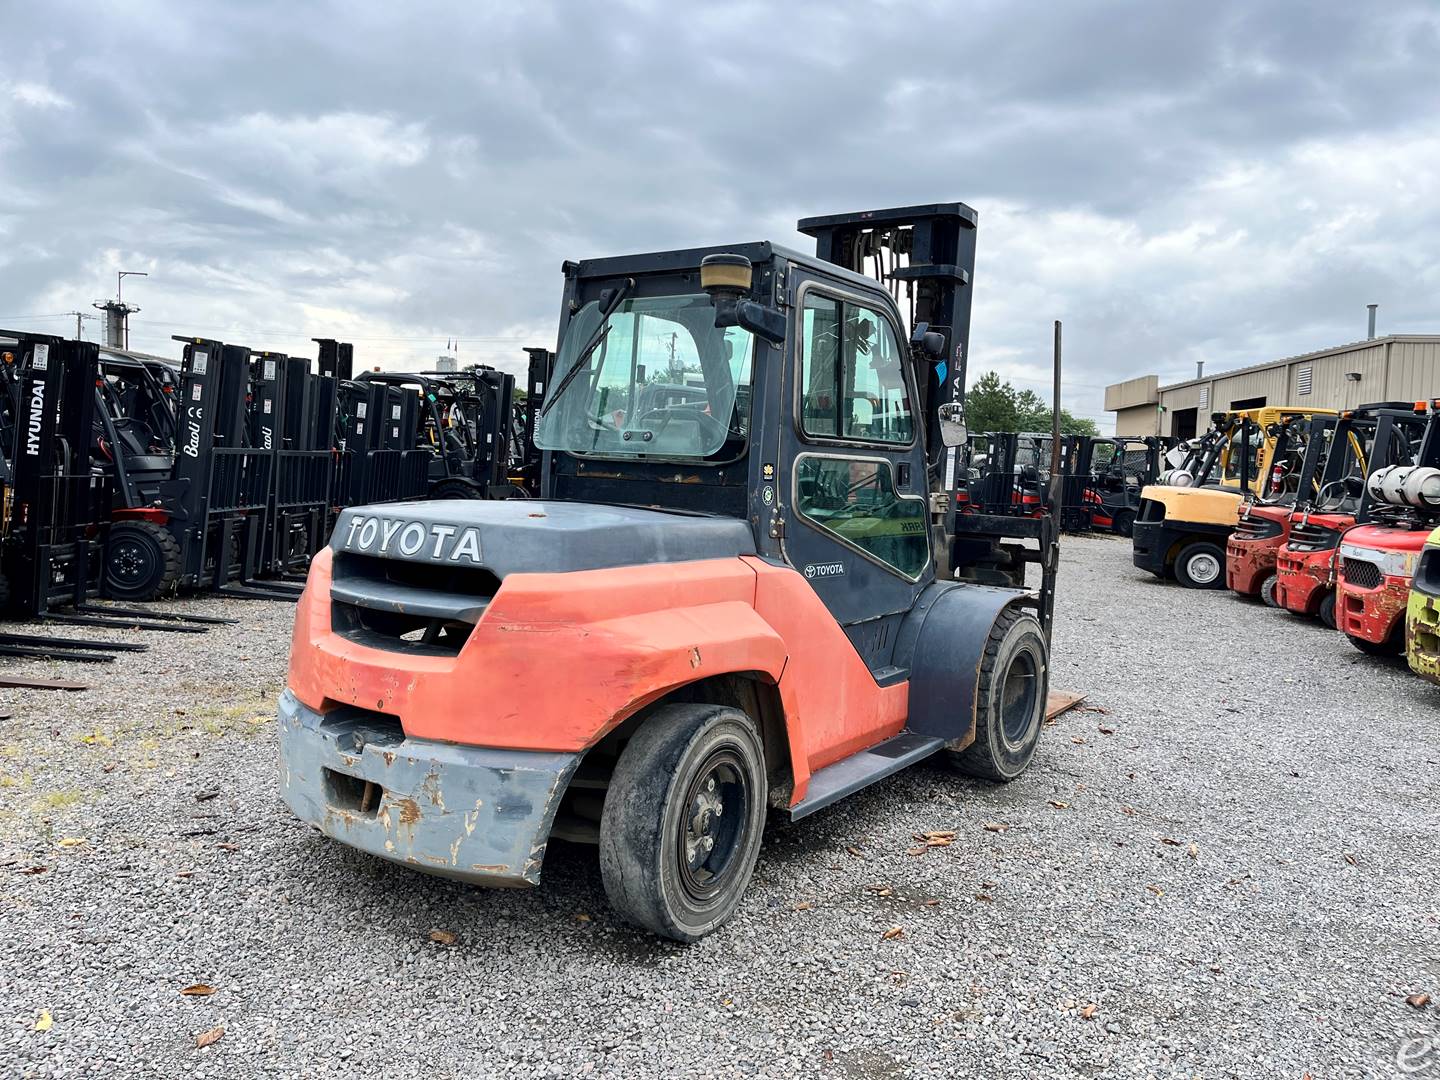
[[526, 464], [220, 491], [292, 420], [927, 253], [1212, 446], [1323, 436], [59, 506]]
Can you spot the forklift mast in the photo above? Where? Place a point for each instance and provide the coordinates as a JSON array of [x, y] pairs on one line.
[[928, 252], [925, 256], [60, 507]]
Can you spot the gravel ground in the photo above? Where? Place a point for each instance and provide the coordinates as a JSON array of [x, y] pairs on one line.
[[1225, 866]]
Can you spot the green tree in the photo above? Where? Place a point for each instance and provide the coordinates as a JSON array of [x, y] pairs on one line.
[[993, 405], [990, 405]]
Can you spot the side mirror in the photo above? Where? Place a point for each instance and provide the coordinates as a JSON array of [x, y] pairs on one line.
[[951, 415], [759, 319], [929, 342], [726, 279]]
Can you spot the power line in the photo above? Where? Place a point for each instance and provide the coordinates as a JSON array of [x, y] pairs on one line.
[[293, 332]]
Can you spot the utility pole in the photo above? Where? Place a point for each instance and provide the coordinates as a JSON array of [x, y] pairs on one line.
[[79, 325]]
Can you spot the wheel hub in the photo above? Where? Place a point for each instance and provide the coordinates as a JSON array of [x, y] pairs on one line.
[[712, 826], [706, 808], [1204, 568]]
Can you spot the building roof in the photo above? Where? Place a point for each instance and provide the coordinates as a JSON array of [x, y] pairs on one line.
[[1334, 350]]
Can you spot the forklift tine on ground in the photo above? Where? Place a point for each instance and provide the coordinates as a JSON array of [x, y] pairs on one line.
[[28, 640], [159, 616], [121, 624], [55, 654]]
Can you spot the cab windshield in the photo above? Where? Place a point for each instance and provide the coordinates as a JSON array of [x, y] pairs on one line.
[[663, 382]]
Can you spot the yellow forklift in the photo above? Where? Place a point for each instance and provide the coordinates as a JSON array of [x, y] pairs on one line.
[[1184, 523]]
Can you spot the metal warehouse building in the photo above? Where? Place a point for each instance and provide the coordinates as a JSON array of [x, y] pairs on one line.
[[1402, 367]]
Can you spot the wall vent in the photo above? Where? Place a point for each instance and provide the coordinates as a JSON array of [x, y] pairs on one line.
[[1304, 380]]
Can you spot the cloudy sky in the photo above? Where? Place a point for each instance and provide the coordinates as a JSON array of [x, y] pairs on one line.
[[1228, 181]]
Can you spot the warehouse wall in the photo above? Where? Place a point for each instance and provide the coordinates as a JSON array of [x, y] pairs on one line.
[[1138, 420], [1389, 369], [1132, 392]]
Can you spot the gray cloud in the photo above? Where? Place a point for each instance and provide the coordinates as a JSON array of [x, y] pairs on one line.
[[1229, 181]]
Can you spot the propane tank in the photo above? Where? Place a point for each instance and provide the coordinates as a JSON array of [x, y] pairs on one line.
[[1406, 485], [1421, 487], [1176, 478]]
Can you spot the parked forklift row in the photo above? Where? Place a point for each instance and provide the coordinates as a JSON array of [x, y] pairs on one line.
[[1335, 516], [133, 478], [1101, 476]]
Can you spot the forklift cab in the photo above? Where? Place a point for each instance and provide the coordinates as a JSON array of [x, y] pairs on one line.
[[807, 428]]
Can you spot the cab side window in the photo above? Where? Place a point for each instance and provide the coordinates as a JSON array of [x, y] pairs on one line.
[[852, 378]]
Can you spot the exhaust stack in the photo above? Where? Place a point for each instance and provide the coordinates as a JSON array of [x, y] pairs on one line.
[[1371, 335]]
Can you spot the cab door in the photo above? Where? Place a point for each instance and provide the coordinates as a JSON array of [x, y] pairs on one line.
[[852, 465]]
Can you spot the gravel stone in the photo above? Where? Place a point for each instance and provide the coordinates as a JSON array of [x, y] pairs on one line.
[[1278, 934]]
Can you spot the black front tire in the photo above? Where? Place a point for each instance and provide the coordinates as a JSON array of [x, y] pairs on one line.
[[1201, 565], [681, 827], [142, 561], [1010, 711], [1124, 522], [1327, 610]]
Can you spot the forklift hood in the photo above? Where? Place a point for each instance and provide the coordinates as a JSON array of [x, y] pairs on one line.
[[1200, 506], [515, 536]]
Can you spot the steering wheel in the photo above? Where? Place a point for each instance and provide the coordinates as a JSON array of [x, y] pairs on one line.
[[669, 413], [1322, 503]]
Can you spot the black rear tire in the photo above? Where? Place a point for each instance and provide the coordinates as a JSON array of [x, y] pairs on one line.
[[1267, 591], [142, 561], [1201, 565], [680, 830], [1393, 645], [455, 489], [1010, 699], [1124, 522], [1327, 610]]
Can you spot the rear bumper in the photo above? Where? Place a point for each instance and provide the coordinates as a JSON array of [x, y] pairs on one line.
[[467, 812], [1372, 614], [1249, 562], [1303, 579], [1422, 635], [1153, 541], [1151, 545]]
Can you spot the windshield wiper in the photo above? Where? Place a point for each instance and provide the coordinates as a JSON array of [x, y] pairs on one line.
[[609, 306]]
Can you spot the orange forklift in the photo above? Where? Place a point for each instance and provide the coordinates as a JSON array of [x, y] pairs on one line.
[[754, 594], [1264, 525], [1377, 560], [1365, 439]]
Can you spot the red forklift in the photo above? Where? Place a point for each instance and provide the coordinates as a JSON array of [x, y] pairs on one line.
[[1264, 525], [757, 599], [1365, 439], [1377, 560]]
